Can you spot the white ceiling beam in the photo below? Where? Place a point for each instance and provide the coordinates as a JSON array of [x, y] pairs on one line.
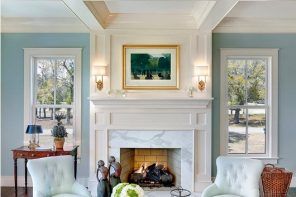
[[217, 13], [84, 14]]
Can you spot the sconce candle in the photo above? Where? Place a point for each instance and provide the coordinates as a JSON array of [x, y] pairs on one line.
[[99, 71], [201, 72]]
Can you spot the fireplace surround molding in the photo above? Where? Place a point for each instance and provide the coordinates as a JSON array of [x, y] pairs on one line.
[[151, 122]]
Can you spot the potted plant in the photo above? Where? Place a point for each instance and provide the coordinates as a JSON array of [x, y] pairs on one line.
[[59, 131]]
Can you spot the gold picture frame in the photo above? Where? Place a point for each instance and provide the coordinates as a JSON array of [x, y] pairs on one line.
[[150, 67]]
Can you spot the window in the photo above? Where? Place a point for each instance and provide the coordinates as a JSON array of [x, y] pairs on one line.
[[249, 102], [52, 87]]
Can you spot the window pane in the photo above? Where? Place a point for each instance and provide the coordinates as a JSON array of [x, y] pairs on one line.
[[68, 124], [65, 81], [45, 81], [256, 70], [48, 122], [237, 131], [236, 82], [256, 131], [45, 118]]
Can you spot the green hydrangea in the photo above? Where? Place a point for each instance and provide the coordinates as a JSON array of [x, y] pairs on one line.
[[127, 190]]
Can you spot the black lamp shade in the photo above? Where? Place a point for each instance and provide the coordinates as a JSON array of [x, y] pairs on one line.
[[33, 129]]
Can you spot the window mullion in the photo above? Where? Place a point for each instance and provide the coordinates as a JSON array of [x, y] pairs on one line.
[[34, 81], [54, 88], [55, 82], [268, 119], [246, 104]]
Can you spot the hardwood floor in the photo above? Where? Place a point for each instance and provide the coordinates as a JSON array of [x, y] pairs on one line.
[[9, 192]]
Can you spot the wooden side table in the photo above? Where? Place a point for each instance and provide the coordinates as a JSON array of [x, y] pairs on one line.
[[24, 152]]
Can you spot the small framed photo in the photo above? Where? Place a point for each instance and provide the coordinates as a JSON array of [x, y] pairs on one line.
[[150, 67]]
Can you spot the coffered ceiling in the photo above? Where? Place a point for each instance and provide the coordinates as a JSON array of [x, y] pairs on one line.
[[98, 15], [163, 14]]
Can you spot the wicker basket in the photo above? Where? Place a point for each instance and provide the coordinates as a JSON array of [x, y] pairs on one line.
[[275, 181]]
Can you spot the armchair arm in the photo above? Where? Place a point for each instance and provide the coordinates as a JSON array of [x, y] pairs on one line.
[[211, 190], [80, 189]]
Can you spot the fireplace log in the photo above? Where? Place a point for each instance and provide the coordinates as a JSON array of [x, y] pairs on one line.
[[153, 176]]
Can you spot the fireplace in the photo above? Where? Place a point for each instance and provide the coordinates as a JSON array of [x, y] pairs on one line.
[[151, 167], [152, 146], [173, 131]]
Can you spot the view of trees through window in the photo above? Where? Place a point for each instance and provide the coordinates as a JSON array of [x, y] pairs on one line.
[[247, 104], [54, 94]]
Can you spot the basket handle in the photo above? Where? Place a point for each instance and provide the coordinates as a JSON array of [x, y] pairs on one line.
[[274, 168], [269, 165]]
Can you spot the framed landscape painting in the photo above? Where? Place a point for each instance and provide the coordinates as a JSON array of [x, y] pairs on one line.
[[150, 67]]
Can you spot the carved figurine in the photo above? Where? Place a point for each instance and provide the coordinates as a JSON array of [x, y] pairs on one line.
[[114, 172], [103, 188]]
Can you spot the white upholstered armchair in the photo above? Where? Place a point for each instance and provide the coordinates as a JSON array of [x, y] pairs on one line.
[[236, 177], [54, 176]]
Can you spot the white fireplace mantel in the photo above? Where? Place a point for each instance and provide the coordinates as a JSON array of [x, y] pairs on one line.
[[151, 116], [144, 102]]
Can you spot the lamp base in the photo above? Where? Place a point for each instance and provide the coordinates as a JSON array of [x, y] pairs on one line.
[[33, 145]]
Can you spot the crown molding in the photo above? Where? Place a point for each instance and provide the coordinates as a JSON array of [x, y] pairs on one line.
[[42, 25], [147, 21], [254, 25]]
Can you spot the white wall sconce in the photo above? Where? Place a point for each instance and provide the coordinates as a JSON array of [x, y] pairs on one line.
[[201, 72], [99, 72]]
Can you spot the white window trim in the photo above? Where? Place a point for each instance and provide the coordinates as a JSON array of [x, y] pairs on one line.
[[271, 155], [29, 55]]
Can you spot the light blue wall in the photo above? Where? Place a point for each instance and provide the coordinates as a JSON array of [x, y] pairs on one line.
[[287, 87], [12, 66], [12, 89]]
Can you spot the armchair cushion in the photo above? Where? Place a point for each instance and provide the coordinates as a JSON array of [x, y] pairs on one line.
[[236, 177], [55, 176]]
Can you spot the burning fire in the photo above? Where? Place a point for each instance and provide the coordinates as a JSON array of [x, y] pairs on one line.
[[152, 175], [143, 167]]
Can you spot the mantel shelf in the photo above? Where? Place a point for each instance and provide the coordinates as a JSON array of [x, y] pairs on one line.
[[159, 102]]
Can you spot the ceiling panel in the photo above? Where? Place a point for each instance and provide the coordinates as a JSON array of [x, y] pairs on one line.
[[146, 7], [264, 9], [35, 8]]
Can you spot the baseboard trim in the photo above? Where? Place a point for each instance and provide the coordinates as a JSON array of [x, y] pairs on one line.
[[8, 181]]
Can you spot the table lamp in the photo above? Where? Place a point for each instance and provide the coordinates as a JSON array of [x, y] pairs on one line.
[[33, 130]]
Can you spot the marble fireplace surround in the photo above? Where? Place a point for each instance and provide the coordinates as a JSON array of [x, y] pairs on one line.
[[153, 123], [157, 139]]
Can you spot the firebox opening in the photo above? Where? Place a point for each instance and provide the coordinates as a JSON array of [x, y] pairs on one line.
[[151, 167]]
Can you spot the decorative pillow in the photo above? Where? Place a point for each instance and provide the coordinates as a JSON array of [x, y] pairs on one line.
[[127, 190]]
